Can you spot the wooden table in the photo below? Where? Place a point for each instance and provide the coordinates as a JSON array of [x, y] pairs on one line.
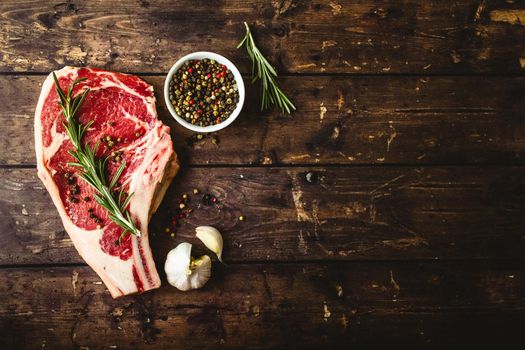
[[389, 209]]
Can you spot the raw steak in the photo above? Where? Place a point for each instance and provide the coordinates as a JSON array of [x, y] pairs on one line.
[[122, 107]]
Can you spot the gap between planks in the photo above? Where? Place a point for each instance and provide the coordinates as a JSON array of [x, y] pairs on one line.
[[302, 262], [316, 165], [309, 74]]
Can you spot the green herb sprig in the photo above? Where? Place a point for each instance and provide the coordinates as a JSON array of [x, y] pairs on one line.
[[262, 70], [94, 168]]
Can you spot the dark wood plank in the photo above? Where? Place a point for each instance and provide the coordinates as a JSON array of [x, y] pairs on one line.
[[300, 36], [358, 120], [297, 214], [269, 306]]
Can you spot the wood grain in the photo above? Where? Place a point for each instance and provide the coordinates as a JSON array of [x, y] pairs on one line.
[[299, 36], [298, 214], [270, 306], [357, 120], [388, 210]]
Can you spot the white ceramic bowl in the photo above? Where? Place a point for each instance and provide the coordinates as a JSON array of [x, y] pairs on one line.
[[238, 79]]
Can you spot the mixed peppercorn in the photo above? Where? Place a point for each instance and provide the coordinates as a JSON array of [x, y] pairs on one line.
[[109, 142], [185, 208], [203, 92], [73, 189], [73, 193]]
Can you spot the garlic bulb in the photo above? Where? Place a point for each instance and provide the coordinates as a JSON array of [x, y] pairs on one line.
[[185, 272], [212, 239]]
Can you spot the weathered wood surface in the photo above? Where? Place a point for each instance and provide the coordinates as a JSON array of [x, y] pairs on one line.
[[300, 36], [269, 306], [353, 120], [425, 250], [296, 214]]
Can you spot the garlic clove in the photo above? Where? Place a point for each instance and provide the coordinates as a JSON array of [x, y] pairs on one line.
[[201, 271], [212, 239], [185, 272]]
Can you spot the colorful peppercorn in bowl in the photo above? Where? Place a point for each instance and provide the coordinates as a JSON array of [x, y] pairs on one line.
[[204, 91]]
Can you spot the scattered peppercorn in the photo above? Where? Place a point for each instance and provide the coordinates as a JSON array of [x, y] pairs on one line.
[[206, 199], [109, 141], [203, 92], [75, 189]]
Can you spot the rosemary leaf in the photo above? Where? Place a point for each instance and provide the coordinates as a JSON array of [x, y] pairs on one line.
[[262, 70]]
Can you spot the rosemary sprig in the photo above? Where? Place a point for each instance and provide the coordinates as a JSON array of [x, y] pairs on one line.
[[262, 70], [94, 168]]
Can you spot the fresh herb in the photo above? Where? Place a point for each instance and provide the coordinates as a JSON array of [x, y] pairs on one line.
[[94, 168], [262, 70]]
